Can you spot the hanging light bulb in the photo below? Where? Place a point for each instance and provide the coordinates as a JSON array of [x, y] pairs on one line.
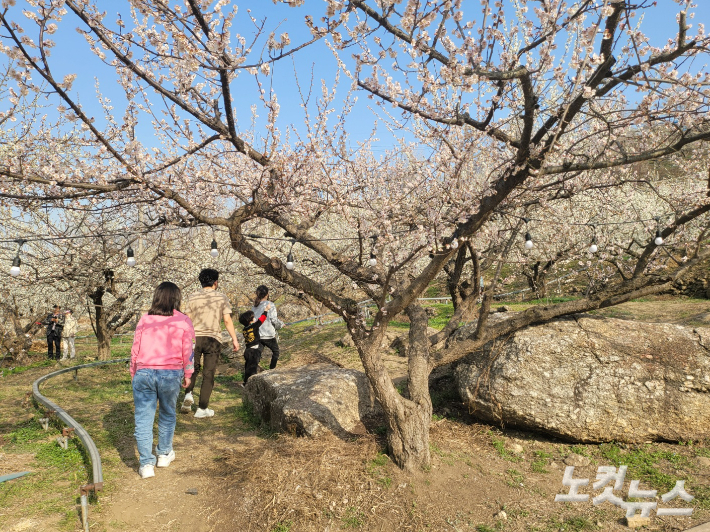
[[455, 240], [373, 258], [528, 241], [289, 261], [15, 269], [214, 251], [130, 259], [593, 246], [659, 239]]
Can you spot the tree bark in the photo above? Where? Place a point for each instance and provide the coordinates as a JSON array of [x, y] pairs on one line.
[[408, 435], [104, 335], [408, 419], [103, 332]]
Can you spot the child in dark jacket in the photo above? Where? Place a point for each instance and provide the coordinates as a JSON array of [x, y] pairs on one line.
[[252, 351]]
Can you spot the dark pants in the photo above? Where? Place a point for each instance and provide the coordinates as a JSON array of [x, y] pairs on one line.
[[251, 362], [210, 348], [54, 342], [272, 344]]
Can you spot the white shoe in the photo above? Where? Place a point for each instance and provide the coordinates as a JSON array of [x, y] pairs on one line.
[[63, 358], [204, 412], [146, 471], [165, 459], [187, 403]]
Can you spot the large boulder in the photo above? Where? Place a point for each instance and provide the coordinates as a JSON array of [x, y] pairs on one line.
[[228, 351], [289, 312], [313, 399], [593, 379]]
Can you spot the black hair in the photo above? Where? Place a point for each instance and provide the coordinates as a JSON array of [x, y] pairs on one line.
[[246, 317], [57, 306], [166, 299], [208, 277], [261, 292]]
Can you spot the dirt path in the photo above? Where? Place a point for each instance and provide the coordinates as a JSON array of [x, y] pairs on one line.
[[188, 494]]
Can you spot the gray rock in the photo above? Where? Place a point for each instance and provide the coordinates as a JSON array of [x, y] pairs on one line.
[[517, 448], [228, 351], [399, 342], [345, 341], [311, 400], [577, 460], [636, 521], [591, 379], [289, 312], [400, 345]]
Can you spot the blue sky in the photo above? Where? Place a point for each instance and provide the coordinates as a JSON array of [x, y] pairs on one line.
[[72, 56]]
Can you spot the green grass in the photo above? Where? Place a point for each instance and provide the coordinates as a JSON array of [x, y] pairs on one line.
[[377, 468], [230, 379], [283, 526], [28, 436], [580, 450], [70, 460], [499, 445], [643, 463], [50, 489], [353, 518], [572, 524], [21, 369], [541, 459], [516, 478], [444, 312], [245, 414]]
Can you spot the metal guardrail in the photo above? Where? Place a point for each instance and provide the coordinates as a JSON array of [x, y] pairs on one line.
[[97, 476]]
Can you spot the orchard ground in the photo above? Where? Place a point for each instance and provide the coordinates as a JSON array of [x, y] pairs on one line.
[[232, 474]]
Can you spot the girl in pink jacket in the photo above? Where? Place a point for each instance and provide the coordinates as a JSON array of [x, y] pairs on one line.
[[161, 360]]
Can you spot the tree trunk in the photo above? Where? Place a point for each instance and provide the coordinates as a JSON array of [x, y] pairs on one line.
[[408, 435], [103, 332], [16, 347], [537, 281], [408, 419], [103, 336], [539, 286]]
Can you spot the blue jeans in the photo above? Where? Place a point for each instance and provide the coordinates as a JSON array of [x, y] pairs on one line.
[[152, 387]]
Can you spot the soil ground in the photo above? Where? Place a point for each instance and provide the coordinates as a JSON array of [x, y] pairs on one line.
[[231, 474]]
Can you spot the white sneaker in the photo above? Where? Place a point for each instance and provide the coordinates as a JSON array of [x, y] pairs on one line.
[[204, 412], [165, 459], [146, 471], [187, 403], [63, 358]]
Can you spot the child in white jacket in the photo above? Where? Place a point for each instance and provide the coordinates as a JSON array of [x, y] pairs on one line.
[[267, 332]]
